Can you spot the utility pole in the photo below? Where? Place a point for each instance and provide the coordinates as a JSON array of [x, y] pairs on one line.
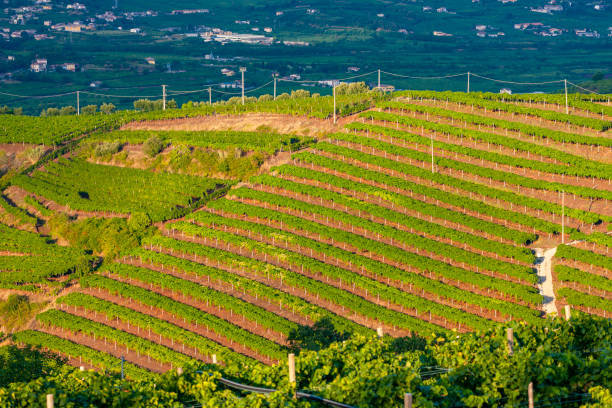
[[164, 96], [275, 75], [566, 105], [468, 84], [78, 102], [242, 71], [210, 95], [379, 79], [334, 104]]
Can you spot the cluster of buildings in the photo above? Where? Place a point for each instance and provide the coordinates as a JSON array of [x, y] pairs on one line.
[[225, 37], [547, 9], [41, 65], [483, 31], [547, 31]]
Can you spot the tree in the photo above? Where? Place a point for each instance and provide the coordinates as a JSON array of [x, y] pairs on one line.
[[67, 110], [107, 108], [89, 109], [152, 146], [50, 112], [300, 93], [598, 76], [316, 337]]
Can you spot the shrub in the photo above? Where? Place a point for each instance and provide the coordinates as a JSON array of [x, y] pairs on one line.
[[50, 112], [89, 109], [67, 110], [152, 146], [300, 93], [106, 148], [107, 108]]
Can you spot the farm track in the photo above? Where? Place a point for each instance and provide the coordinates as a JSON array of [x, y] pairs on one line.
[[519, 171], [348, 247], [382, 221], [545, 282], [398, 284], [179, 322], [600, 206]]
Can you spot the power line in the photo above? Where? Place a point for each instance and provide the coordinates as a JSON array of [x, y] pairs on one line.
[[421, 77], [323, 80], [121, 96], [38, 96], [584, 89], [517, 83], [184, 92]]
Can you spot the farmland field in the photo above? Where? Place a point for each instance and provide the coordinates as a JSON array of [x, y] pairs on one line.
[[419, 214]]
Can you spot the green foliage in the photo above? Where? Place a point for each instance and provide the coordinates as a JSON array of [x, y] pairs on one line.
[[67, 110], [563, 360], [105, 149], [139, 221], [316, 337], [103, 236], [602, 398], [26, 364], [94, 187], [107, 108], [50, 112], [89, 109], [44, 259], [153, 145], [5, 110], [354, 88], [146, 105], [17, 310]]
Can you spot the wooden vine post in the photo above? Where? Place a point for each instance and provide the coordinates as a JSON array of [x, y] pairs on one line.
[[50, 401], [568, 312], [530, 394], [407, 400], [291, 362]]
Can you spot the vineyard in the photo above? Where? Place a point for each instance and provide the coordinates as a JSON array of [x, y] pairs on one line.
[[428, 214], [84, 186]]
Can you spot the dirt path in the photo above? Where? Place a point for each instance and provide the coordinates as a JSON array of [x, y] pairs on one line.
[[544, 270], [248, 122]]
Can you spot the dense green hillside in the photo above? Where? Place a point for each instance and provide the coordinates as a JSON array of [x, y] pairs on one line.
[[232, 233]]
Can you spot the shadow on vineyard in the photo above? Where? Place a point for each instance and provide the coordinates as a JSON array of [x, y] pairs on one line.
[[562, 359]]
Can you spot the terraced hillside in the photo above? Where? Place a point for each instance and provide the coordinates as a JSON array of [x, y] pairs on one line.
[[427, 213]]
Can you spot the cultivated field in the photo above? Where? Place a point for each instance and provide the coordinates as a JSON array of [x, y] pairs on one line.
[[424, 213]]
